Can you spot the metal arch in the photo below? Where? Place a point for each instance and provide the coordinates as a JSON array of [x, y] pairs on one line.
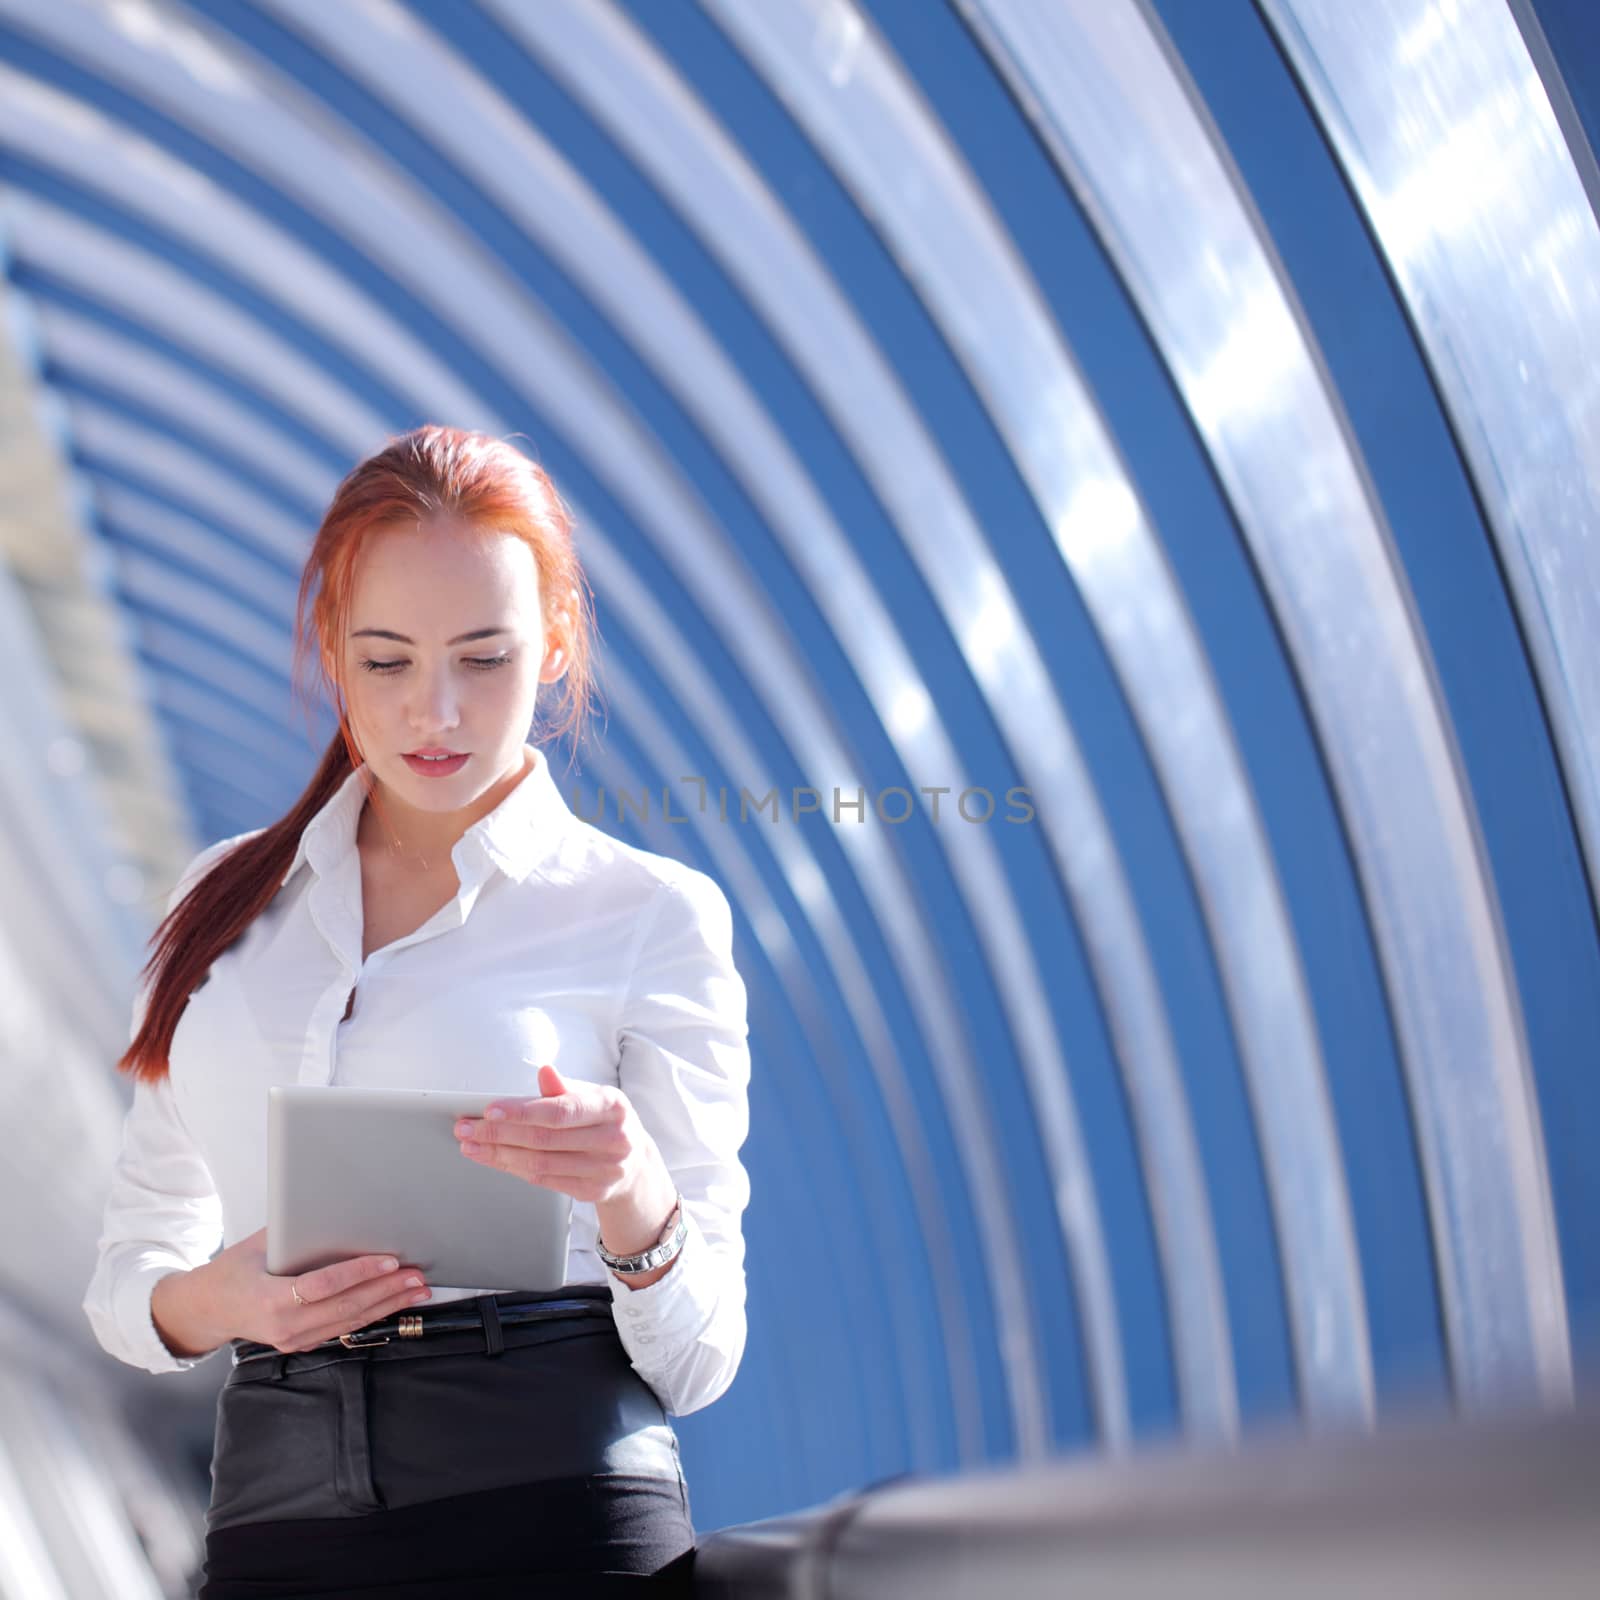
[[1450, 143], [186, 476], [77, 343], [221, 798], [363, 198], [206, 707], [192, 715], [1567, 116], [153, 582], [175, 671], [390, 52], [163, 642], [203, 753], [605, 63], [200, 547], [809, 882], [137, 175], [1109, 98], [846, 90], [203, 748], [188, 314]]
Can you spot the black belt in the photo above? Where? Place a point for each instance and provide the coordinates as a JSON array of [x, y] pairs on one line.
[[485, 1314]]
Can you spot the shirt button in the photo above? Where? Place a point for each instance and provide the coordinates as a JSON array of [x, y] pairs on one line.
[[647, 1338]]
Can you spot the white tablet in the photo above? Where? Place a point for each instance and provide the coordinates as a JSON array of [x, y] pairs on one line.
[[355, 1172]]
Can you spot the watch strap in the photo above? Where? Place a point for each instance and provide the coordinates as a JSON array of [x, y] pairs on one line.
[[675, 1231]]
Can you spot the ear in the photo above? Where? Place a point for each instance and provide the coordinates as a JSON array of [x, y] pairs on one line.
[[555, 656]]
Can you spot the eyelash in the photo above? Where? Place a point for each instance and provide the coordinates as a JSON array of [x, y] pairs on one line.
[[481, 663]]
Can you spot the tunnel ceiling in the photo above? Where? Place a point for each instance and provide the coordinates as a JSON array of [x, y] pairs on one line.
[[1175, 423]]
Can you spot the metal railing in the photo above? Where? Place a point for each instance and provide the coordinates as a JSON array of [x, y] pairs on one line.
[[1509, 1507]]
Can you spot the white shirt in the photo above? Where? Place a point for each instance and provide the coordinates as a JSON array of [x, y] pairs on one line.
[[563, 945]]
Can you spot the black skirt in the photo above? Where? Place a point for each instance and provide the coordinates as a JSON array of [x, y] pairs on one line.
[[527, 1461]]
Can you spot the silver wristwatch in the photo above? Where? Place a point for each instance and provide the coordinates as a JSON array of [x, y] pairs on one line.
[[659, 1254]]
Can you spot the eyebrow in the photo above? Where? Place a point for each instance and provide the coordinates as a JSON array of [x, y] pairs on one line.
[[400, 638]]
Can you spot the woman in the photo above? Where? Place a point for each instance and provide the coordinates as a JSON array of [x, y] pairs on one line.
[[431, 914]]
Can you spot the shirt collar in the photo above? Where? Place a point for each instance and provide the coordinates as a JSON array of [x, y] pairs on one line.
[[523, 830]]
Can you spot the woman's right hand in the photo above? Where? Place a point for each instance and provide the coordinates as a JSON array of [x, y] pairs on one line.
[[241, 1297]]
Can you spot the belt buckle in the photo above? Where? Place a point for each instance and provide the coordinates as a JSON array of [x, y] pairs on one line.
[[355, 1341], [407, 1327]]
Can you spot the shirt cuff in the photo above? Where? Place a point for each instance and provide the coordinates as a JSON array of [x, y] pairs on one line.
[[661, 1319], [135, 1315]]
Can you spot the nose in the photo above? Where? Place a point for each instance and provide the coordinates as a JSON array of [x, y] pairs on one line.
[[434, 705]]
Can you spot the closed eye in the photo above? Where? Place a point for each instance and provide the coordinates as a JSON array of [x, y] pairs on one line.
[[479, 663]]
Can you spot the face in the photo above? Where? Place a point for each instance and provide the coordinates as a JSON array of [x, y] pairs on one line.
[[416, 684]]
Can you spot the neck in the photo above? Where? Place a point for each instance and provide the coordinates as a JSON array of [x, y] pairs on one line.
[[416, 842]]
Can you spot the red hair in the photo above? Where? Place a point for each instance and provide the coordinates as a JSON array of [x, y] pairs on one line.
[[430, 473]]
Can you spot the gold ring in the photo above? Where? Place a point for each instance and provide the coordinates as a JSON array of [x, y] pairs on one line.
[[294, 1289]]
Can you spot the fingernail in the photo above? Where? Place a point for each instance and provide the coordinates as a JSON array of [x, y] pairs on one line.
[[388, 1264], [463, 1129], [496, 1113], [413, 1283]]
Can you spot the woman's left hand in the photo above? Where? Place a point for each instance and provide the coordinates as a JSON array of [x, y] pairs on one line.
[[583, 1139]]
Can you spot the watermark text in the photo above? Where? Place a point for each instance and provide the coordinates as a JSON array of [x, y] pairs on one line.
[[974, 805]]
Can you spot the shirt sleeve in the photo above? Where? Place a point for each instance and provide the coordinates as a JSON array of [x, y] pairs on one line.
[[163, 1213], [685, 1067]]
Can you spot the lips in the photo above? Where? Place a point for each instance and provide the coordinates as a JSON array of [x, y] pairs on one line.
[[435, 766], [433, 750]]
